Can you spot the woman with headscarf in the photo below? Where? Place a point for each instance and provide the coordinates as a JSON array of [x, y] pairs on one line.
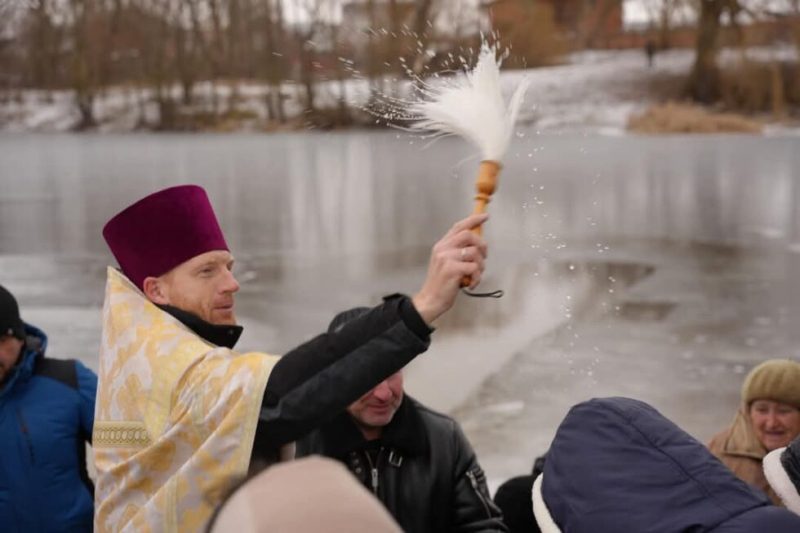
[[768, 418]]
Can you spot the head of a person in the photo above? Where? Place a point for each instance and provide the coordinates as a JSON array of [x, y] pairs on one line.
[[376, 408], [277, 499], [513, 498], [771, 401], [12, 333], [170, 245]]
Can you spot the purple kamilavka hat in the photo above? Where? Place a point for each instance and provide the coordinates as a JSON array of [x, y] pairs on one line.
[[162, 230]]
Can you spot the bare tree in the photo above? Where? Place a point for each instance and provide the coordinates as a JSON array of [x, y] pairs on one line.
[[664, 15], [43, 43], [421, 36], [341, 66], [315, 14], [186, 53], [84, 61], [273, 57], [704, 80], [211, 41]]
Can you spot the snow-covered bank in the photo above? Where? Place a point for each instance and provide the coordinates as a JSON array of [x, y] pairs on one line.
[[593, 92]]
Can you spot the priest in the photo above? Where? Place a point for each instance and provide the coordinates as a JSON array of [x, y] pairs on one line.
[[181, 416]]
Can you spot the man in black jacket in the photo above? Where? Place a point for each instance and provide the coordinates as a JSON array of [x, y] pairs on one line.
[[416, 461]]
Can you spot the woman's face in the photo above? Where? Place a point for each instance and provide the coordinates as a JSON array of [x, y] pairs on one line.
[[776, 424]]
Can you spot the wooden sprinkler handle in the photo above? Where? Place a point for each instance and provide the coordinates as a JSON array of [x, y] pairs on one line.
[[485, 187]]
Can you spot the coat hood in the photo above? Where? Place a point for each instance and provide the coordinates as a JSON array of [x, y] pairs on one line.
[[781, 468], [741, 440], [34, 348], [617, 464]]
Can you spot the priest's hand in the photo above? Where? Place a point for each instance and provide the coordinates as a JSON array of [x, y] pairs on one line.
[[458, 255]]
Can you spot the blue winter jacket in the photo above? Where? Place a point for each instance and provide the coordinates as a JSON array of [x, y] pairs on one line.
[[46, 417], [617, 465]]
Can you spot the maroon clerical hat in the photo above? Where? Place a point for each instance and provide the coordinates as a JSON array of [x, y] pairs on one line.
[[161, 231]]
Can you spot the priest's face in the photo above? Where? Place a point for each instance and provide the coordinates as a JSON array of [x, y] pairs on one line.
[[204, 285]]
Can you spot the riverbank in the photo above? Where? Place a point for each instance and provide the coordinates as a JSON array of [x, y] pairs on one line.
[[592, 92]]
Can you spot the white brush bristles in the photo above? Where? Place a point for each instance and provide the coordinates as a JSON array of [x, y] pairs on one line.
[[472, 106]]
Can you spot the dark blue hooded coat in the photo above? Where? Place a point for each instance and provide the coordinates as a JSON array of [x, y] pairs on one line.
[[46, 417], [617, 465]]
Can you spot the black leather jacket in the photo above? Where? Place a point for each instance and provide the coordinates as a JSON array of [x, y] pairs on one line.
[[422, 468]]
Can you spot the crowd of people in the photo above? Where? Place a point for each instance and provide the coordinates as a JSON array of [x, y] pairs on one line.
[[188, 434]]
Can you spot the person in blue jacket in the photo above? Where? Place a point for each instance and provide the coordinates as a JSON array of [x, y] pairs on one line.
[[46, 416], [617, 465]]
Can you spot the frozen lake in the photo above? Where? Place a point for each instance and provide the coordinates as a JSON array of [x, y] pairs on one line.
[[659, 268]]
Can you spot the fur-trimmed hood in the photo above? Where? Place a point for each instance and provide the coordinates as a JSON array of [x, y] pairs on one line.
[[617, 464], [781, 470]]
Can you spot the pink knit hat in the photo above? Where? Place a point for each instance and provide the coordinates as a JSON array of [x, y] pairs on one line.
[[162, 230]]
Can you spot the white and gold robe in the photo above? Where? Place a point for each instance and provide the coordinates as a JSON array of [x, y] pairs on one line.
[[175, 417]]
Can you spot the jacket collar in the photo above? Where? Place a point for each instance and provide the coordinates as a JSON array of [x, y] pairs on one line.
[[223, 335], [742, 440], [405, 433], [33, 349]]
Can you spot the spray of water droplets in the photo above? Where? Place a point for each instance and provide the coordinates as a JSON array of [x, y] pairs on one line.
[[469, 104]]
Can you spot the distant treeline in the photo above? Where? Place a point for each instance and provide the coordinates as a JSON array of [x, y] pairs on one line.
[[194, 64], [167, 52]]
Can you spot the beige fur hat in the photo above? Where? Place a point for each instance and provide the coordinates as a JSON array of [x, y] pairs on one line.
[[776, 379]]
